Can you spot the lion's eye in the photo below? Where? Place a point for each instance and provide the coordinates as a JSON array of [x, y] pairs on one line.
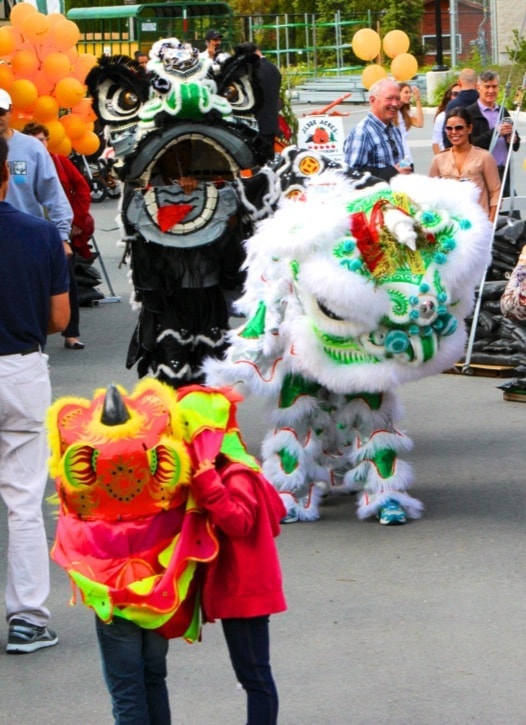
[[127, 100], [231, 93]]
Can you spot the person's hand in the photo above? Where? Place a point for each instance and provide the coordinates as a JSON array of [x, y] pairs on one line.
[[403, 169], [75, 230], [415, 90], [205, 446], [67, 248], [505, 128]]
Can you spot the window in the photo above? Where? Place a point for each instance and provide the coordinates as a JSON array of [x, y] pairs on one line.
[[430, 45]]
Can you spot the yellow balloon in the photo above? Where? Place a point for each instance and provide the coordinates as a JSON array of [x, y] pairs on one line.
[[24, 64], [35, 27], [6, 76], [56, 66], [395, 42], [371, 74], [68, 92], [366, 44], [20, 12], [7, 40], [404, 67], [87, 144], [46, 109], [56, 132], [64, 34], [23, 94]]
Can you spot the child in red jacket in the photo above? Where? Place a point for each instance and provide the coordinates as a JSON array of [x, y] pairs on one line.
[[243, 585]]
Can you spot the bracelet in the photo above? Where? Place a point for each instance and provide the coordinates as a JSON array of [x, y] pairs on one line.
[[205, 465]]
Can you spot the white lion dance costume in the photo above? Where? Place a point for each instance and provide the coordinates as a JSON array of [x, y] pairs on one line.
[[351, 292]]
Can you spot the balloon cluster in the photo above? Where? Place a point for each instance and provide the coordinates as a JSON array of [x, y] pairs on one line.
[[367, 44], [44, 74]]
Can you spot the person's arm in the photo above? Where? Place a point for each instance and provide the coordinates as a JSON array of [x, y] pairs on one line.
[[49, 192], [80, 200], [231, 503], [492, 181], [417, 116], [59, 313], [59, 308], [436, 136]]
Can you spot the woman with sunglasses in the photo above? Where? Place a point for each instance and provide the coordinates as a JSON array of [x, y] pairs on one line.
[[440, 116], [466, 162]]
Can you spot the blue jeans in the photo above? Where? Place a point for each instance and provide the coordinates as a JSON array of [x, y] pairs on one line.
[[134, 667], [249, 649]]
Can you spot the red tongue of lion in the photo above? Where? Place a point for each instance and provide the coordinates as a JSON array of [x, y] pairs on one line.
[[169, 216]]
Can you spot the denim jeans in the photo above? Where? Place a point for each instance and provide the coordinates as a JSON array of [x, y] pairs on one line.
[[134, 667], [249, 649]]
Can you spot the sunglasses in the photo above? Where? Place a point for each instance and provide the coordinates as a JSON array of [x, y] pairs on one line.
[[454, 94], [394, 147], [454, 128], [3, 111]]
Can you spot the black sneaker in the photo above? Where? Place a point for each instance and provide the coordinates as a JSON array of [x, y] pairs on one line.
[[25, 637]]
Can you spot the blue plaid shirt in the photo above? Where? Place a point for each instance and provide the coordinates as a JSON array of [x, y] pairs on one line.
[[373, 144]]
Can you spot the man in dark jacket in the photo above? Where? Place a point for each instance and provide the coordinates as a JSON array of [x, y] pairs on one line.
[[467, 82], [487, 116]]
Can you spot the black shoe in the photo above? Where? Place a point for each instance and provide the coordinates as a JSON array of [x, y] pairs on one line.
[[78, 345], [25, 637]]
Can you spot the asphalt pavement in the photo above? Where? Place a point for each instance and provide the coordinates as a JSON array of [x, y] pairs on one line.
[[422, 624]]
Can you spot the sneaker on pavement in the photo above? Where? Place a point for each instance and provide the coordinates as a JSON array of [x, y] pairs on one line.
[[25, 637]]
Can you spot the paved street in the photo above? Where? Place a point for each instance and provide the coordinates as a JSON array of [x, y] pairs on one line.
[[422, 624]]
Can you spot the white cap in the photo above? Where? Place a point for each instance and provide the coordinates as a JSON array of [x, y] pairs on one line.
[[5, 100]]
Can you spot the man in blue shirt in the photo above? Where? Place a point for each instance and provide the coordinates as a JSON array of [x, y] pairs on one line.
[[375, 143], [34, 301], [486, 115]]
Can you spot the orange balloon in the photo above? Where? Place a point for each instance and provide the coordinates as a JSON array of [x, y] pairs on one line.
[[6, 76], [64, 34], [73, 125], [404, 67], [19, 119], [24, 64], [83, 65], [56, 132], [46, 109], [35, 27], [84, 110], [20, 12], [395, 42], [43, 85], [366, 44], [56, 66], [371, 74], [55, 18], [64, 148], [23, 94], [69, 91], [7, 40], [87, 144]]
